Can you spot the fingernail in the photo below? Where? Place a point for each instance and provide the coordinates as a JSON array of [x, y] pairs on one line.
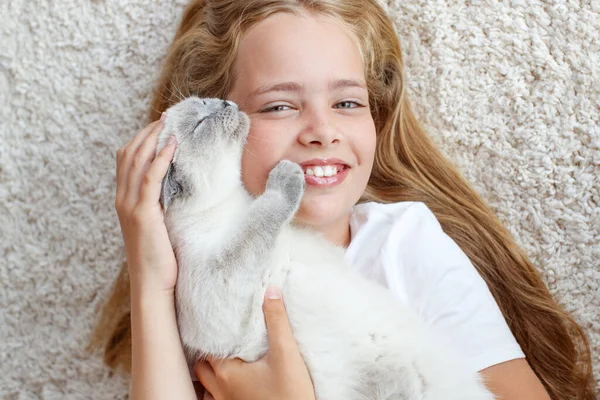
[[273, 293], [163, 116], [172, 141]]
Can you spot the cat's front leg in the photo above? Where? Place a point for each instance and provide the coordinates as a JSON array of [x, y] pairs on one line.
[[268, 213], [283, 192], [247, 264]]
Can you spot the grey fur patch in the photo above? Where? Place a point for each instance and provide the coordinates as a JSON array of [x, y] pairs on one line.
[[170, 187]]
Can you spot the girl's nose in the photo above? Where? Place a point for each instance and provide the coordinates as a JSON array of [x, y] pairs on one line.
[[319, 130]]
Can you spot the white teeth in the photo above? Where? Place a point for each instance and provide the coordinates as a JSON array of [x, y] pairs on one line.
[[320, 171]]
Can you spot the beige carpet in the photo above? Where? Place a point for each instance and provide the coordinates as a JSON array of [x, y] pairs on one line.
[[510, 90]]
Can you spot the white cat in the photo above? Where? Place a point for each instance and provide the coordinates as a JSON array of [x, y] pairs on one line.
[[358, 341]]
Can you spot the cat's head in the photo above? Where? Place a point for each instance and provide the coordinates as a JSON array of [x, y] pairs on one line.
[[211, 134]]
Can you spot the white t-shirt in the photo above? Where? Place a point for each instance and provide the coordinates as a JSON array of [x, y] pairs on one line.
[[403, 247]]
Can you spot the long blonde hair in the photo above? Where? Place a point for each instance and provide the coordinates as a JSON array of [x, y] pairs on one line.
[[408, 167]]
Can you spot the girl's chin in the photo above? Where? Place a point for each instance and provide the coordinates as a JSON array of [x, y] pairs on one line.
[[318, 213], [330, 220]]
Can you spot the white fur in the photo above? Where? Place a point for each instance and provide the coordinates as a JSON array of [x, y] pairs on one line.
[[356, 339]]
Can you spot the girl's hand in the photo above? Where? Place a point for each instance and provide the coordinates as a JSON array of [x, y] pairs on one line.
[[150, 256], [280, 374]]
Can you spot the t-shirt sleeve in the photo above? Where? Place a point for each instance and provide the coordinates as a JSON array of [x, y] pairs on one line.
[[427, 270]]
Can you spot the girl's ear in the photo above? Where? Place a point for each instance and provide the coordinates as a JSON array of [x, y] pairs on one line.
[[170, 188]]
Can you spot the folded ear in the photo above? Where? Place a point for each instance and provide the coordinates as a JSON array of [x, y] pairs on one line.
[[170, 188]]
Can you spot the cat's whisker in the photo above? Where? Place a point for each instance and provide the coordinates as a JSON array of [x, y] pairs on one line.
[[243, 103], [162, 94], [156, 110], [261, 139], [172, 93], [246, 148], [181, 95], [172, 97], [187, 85]]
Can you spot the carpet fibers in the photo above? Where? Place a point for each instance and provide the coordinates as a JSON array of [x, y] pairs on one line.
[[510, 90]]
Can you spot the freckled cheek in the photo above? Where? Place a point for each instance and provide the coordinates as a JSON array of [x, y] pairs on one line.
[[369, 147], [364, 141]]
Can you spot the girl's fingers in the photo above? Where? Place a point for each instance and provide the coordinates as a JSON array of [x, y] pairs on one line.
[[279, 332], [222, 366], [207, 377], [125, 157], [152, 182], [139, 138], [208, 396], [140, 163]]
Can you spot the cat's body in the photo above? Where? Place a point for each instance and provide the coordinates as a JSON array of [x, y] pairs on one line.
[[356, 339]]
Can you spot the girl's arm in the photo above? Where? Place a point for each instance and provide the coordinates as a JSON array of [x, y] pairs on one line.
[[159, 369], [514, 380]]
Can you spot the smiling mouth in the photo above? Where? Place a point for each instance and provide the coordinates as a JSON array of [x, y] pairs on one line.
[[324, 170]]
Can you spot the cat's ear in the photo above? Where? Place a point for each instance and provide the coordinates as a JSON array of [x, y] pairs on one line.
[[170, 188]]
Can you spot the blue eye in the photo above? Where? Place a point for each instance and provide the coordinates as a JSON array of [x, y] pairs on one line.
[[275, 108], [283, 107], [349, 102]]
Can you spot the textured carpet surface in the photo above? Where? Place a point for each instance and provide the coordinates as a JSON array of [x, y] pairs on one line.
[[509, 89]]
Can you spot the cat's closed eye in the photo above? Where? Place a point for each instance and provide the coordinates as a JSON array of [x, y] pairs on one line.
[[199, 122]]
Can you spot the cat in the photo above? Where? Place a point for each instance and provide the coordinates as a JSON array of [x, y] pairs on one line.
[[356, 339]]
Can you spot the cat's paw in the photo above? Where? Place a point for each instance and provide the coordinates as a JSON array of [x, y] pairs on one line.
[[288, 178]]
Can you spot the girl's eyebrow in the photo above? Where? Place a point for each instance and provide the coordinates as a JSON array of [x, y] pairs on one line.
[[296, 87]]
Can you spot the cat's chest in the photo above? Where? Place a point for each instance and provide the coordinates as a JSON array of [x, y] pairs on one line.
[[299, 246]]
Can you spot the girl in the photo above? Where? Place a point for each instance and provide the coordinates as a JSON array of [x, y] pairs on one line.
[[321, 80]]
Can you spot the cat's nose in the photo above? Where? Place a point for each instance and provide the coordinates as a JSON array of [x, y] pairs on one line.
[[227, 103]]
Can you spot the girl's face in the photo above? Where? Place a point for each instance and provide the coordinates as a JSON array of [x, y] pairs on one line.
[[301, 81]]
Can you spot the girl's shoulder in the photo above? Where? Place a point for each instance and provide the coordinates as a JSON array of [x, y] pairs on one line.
[[372, 207], [402, 244], [391, 213], [406, 242], [395, 223], [403, 247]]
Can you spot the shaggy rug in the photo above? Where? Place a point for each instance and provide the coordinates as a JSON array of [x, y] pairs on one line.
[[509, 89]]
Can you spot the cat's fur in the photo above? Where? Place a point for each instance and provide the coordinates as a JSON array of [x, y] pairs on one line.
[[356, 339]]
